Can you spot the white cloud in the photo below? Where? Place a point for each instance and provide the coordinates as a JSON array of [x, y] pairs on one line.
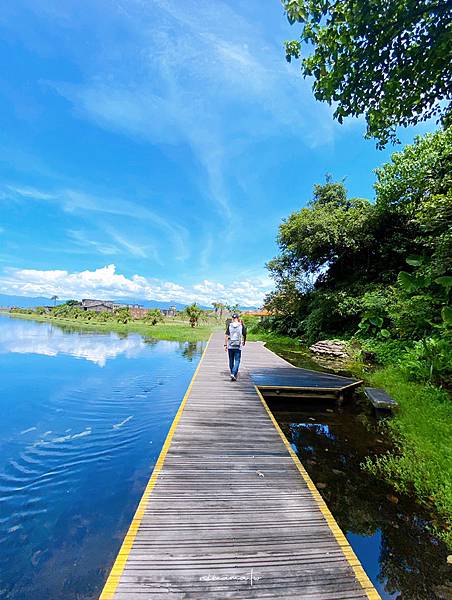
[[106, 283]]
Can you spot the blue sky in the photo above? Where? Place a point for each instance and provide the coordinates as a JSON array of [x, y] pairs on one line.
[[150, 148]]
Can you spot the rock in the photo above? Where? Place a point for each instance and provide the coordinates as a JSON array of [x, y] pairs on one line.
[[449, 559], [338, 472], [320, 486], [392, 499], [331, 348]]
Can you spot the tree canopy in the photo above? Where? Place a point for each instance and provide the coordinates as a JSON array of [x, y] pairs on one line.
[[344, 262], [386, 59]]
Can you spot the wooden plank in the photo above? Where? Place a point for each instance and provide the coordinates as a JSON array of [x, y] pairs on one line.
[[228, 511], [380, 399]]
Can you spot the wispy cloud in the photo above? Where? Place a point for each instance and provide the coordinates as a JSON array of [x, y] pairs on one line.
[[196, 73], [106, 283], [29, 192], [75, 201], [131, 247], [87, 244]]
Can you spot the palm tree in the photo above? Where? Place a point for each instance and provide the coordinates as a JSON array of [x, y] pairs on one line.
[[219, 308], [193, 313], [54, 298]]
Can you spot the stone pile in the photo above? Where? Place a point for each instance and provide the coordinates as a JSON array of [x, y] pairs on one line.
[[333, 348]]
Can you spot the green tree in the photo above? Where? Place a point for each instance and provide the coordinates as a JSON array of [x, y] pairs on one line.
[[73, 303], [122, 315], [219, 308], [386, 59], [382, 269], [193, 313], [332, 235], [154, 316]]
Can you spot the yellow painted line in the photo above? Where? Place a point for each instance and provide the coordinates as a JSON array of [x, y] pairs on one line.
[[347, 550], [115, 574]]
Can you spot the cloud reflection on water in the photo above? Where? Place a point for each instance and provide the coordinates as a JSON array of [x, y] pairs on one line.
[[48, 340]]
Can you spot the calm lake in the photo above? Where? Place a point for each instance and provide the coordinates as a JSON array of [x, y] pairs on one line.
[[84, 417]]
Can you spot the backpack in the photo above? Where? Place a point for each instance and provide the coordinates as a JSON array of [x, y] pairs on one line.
[[235, 335]]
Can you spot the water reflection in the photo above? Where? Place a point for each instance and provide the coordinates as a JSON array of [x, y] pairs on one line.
[[77, 445], [47, 339], [23, 337], [388, 531]]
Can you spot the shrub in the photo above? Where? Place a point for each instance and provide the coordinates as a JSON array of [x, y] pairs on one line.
[[387, 352], [429, 360], [153, 317]]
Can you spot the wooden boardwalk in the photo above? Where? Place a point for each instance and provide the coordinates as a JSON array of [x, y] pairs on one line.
[[229, 511]]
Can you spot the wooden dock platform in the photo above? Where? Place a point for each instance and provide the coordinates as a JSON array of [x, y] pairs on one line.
[[293, 382], [229, 511]]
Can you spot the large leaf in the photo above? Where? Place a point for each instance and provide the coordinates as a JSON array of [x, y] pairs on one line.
[[377, 321], [445, 281], [412, 283], [407, 281], [414, 261], [446, 314]]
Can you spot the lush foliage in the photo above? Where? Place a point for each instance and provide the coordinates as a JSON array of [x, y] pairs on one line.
[[388, 60], [379, 271]]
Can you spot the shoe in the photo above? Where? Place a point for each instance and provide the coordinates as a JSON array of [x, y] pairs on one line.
[[233, 378]]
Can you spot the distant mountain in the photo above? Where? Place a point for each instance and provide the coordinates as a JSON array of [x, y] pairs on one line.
[[25, 301], [28, 302]]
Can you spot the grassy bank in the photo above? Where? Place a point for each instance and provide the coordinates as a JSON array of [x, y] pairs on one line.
[[172, 330], [421, 431]]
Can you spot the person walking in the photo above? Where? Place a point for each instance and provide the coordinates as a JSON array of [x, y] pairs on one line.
[[235, 338]]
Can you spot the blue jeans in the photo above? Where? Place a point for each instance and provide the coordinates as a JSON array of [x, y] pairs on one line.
[[234, 360]]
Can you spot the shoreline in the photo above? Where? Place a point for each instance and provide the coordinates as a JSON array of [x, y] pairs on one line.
[[177, 331]]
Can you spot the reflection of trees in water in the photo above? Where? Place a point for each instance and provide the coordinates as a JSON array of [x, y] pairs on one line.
[[150, 341], [190, 350], [84, 332], [412, 561]]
